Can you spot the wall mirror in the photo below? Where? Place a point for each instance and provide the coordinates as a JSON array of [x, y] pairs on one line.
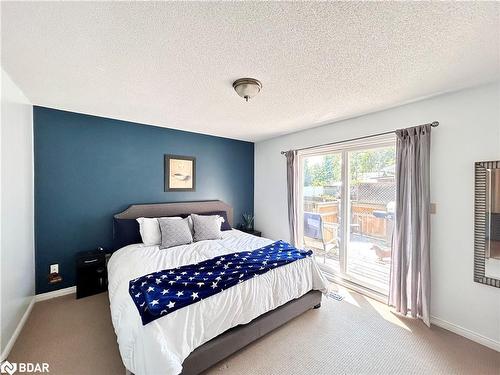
[[487, 223]]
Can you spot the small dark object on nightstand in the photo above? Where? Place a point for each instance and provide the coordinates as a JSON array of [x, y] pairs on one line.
[[91, 273], [317, 306]]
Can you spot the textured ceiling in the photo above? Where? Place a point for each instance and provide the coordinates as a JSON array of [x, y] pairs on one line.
[[172, 64]]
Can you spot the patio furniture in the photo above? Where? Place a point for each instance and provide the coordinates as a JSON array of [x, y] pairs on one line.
[[325, 234]]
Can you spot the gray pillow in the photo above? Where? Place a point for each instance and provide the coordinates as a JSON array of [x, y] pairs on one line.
[[206, 227], [174, 232]]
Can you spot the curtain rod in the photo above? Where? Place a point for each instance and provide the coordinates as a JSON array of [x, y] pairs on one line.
[[434, 124]]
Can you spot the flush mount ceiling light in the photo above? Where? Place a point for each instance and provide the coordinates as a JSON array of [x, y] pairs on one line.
[[247, 88]]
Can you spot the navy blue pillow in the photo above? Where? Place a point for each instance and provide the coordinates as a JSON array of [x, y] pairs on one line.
[[125, 232]]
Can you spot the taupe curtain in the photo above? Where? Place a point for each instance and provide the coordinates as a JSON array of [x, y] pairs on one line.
[[292, 180], [410, 271]]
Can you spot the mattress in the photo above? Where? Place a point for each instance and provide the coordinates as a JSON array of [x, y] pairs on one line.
[[161, 346]]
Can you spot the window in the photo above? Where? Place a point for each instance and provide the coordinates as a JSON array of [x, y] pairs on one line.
[[346, 209]]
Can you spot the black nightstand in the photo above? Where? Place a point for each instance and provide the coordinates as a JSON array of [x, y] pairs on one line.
[[253, 231], [91, 273]]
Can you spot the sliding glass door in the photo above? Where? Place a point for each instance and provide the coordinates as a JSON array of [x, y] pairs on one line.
[[347, 202], [321, 207]]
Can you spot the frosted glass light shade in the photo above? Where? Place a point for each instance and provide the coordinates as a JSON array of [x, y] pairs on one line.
[[247, 88]]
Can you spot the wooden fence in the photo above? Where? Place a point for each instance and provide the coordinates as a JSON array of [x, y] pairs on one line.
[[363, 221]]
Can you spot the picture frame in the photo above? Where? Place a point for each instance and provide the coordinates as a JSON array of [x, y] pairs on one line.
[[180, 173]]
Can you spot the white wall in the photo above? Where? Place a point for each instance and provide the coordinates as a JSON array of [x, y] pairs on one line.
[[469, 131], [16, 229]]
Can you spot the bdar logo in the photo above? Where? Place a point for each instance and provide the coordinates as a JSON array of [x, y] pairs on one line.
[[8, 368]]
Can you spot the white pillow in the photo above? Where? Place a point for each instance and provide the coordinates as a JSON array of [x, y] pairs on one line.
[[150, 231], [149, 228]]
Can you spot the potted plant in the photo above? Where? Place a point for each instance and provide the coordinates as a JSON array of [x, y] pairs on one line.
[[247, 221]]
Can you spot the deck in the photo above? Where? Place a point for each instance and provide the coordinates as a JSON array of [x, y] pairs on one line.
[[363, 264]]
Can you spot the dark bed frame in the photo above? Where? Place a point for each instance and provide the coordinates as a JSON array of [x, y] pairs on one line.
[[240, 336]]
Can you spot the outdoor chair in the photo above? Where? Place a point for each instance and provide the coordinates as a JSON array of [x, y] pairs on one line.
[[317, 233]]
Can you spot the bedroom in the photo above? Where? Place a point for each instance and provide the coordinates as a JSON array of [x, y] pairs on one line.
[[143, 138]]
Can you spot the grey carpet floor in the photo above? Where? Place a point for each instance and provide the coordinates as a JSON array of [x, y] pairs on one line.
[[353, 336]]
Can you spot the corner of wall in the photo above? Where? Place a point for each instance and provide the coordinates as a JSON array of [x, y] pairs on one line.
[[17, 202]]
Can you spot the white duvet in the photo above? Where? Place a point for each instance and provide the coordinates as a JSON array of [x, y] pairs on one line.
[[161, 346]]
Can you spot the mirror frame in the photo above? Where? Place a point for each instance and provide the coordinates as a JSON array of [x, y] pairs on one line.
[[480, 223]]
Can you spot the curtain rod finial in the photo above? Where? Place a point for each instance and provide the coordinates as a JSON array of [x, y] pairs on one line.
[[434, 124]]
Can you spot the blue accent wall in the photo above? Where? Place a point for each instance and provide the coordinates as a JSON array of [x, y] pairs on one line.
[[88, 168]]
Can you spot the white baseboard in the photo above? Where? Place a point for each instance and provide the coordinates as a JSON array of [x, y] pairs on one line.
[[22, 322], [476, 337], [18, 330], [55, 293]]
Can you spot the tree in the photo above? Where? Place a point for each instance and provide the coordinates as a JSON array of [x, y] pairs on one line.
[[326, 170], [370, 161]]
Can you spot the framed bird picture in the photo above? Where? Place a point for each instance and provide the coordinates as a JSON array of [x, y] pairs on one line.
[[180, 173]]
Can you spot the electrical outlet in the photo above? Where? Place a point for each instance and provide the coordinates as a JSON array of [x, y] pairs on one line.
[[54, 268]]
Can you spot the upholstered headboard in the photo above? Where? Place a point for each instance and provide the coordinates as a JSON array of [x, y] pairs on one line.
[[126, 228], [175, 208]]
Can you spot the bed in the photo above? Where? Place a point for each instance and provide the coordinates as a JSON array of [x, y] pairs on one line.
[[196, 337]]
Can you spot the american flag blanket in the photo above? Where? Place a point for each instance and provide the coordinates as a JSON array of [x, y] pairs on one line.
[[163, 292]]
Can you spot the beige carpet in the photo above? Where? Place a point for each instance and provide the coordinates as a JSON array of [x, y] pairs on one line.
[[72, 336], [355, 336]]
